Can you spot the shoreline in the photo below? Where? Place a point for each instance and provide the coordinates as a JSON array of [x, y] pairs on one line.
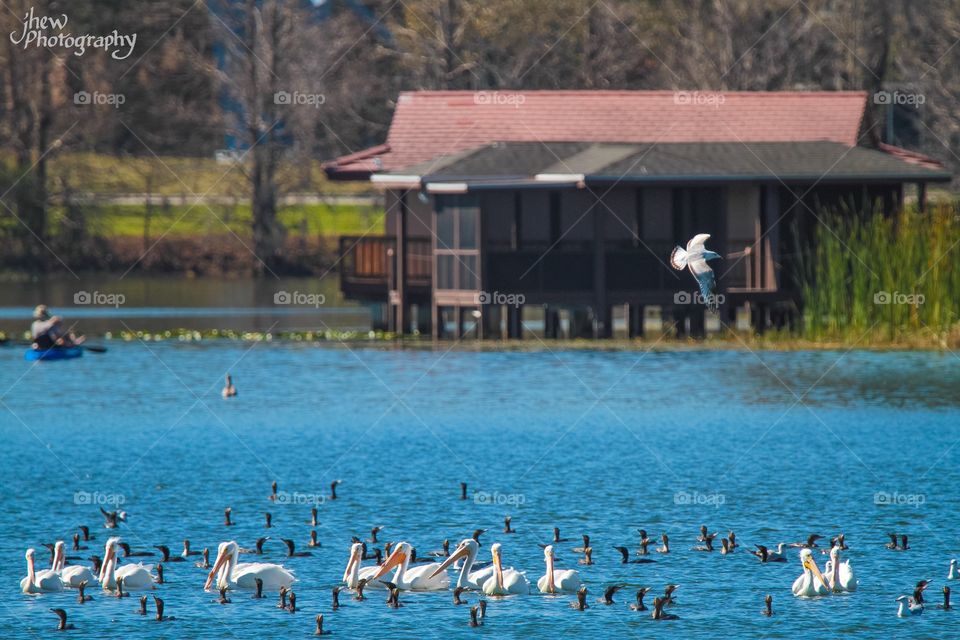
[[388, 341]]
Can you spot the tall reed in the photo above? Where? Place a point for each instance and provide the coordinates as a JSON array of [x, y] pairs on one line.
[[874, 277]]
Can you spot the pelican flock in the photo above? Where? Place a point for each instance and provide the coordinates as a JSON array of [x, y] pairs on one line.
[[395, 569]]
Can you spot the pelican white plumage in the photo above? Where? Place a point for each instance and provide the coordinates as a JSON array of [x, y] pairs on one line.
[[908, 607], [953, 574], [134, 576], [232, 575], [43, 581], [467, 579], [354, 573], [504, 581], [422, 578], [695, 257], [557, 580], [811, 582], [73, 575], [839, 573]]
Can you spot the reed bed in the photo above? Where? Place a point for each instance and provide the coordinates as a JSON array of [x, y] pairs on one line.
[[874, 278]]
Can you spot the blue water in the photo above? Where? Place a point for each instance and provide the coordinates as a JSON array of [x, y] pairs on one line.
[[774, 446]]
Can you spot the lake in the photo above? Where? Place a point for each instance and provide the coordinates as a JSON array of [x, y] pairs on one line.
[[773, 446]]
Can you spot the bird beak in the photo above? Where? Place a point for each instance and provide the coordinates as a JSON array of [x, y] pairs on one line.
[[108, 555], [393, 560], [461, 552], [221, 559], [354, 559], [812, 566]]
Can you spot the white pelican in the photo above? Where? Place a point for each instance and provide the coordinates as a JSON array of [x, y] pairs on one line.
[[134, 576], [354, 573], [908, 607], [840, 573], [467, 549], [953, 574], [43, 581], [73, 575], [504, 581], [811, 582], [419, 578], [557, 580], [244, 575]]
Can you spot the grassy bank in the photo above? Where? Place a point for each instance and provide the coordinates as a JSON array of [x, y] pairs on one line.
[[174, 176], [125, 221]]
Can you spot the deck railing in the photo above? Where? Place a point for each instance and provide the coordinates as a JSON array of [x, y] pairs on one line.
[[370, 262], [368, 265]]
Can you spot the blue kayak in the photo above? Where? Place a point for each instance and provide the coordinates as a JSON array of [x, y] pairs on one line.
[[57, 353]]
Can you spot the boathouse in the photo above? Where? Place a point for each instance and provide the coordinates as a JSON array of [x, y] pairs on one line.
[[554, 212]]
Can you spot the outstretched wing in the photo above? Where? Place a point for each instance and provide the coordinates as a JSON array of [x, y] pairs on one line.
[[696, 244], [707, 281], [678, 258]]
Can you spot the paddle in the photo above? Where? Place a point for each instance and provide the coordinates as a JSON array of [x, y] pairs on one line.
[[92, 348]]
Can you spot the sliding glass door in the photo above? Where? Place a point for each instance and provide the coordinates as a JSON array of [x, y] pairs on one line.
[[458, 243]]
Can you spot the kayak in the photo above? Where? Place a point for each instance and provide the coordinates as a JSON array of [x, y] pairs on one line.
[[57, 353]]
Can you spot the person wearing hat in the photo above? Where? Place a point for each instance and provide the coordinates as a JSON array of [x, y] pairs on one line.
[[47, 331]]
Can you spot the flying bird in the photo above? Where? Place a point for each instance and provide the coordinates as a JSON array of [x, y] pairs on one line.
[[695, 257]]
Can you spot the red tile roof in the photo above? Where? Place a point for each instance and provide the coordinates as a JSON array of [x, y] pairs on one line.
[[427, 124]]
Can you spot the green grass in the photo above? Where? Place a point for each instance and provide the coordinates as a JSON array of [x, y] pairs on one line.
[[172, 176], [314, 220]]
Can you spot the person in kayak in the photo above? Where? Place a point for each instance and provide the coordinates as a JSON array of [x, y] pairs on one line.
[[48, 331]]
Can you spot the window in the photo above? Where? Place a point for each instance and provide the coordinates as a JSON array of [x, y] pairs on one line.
[[458, 242]]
